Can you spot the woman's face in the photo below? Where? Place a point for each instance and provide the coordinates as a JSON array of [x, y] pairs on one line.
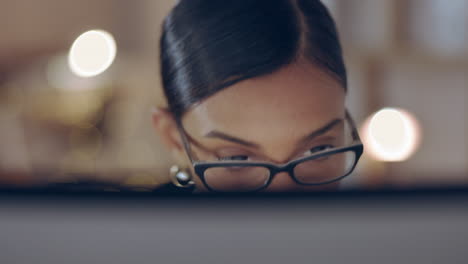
[[269, 119]]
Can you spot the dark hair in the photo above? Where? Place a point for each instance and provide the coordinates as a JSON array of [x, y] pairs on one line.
[[208, 45]]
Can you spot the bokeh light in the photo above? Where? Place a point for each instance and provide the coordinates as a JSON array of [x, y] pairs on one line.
[[60, 76], [92, 53], [391, 135]]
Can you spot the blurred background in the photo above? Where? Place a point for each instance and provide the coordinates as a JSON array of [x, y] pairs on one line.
[[407, 63]]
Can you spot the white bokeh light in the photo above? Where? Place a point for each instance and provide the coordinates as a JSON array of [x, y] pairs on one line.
[[391, 135], [92, 53], [60, 76]]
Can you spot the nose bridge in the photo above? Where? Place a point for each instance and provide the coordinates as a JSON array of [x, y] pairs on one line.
[[283, 171], [279, 156], [279, 145], [282, 168], [281, 178]]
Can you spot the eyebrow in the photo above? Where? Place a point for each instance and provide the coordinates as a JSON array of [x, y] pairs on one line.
[[329, 126], [316, 133], [221, 135]]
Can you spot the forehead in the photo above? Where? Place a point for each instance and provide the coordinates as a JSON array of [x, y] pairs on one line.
[[293, 100]]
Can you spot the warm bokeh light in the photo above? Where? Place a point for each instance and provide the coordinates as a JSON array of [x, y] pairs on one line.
[[391, 135], [92, 53], [60, 76]]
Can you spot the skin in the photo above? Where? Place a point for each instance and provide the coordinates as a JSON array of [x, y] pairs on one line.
[[274, 113]]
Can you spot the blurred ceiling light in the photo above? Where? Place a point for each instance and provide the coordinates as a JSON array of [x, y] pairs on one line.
[[391, 135], [92, 53]]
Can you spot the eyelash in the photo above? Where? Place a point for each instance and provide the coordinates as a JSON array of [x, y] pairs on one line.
[[313, 150], [234, 158], [324, 146]]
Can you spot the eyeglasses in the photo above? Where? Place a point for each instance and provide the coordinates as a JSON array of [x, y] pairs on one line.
[[320, 168]]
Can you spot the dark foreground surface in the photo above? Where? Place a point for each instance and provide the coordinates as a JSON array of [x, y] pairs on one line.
[[60, 226]]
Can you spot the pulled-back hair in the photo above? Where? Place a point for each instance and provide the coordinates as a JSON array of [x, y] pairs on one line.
[[208, 45]]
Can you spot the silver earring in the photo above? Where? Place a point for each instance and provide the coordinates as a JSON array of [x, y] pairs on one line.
[[181, 178]]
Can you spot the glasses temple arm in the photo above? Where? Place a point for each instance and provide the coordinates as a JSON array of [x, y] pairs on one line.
[[185, 141], [354, 131]]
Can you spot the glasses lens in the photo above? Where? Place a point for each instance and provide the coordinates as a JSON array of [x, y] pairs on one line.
[[326, 168], [237, 179]]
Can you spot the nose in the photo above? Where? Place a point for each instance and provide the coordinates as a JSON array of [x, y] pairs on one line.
[[282, 182]]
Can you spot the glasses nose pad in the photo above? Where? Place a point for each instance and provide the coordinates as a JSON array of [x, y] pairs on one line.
[[281, 179]]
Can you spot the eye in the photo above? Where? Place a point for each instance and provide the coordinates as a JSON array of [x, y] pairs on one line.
[[234, 158], [319, 149]]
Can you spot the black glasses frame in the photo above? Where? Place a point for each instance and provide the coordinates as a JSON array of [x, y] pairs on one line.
[[201, 166]]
